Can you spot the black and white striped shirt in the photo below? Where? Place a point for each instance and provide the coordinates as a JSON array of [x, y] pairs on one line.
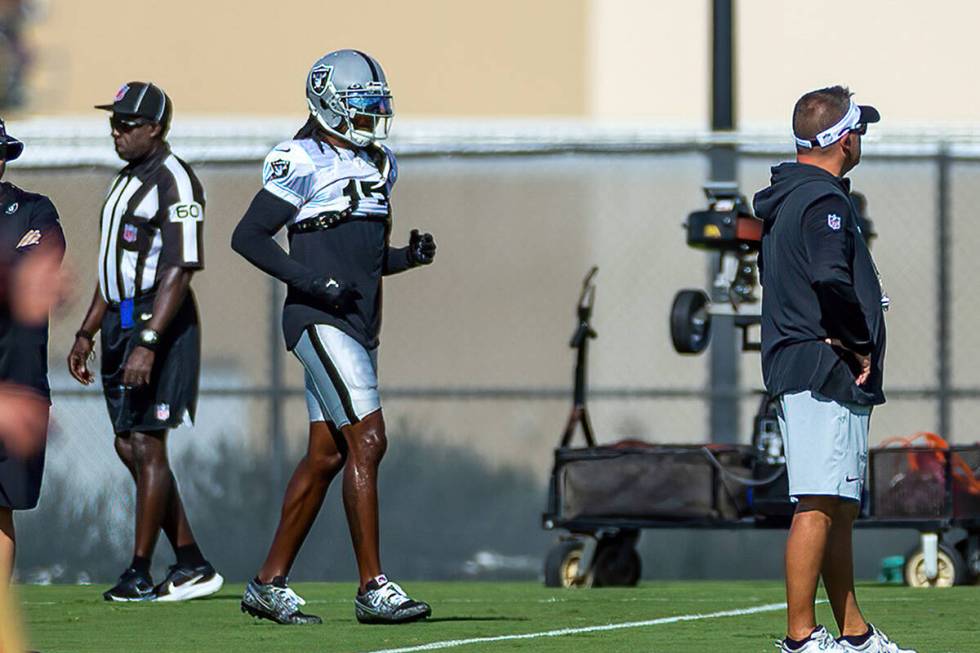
[[152, 219]]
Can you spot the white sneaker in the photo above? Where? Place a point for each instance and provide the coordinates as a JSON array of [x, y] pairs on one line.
[[877, 643], [820, 641]]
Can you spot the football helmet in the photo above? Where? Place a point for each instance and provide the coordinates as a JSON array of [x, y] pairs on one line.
[[348, 94]]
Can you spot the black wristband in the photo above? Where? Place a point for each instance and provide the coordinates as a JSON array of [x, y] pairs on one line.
[[82, 333]]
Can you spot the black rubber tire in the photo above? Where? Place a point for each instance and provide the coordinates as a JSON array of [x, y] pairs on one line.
[[617, 564], [690, 322], [952, 568], [972, 577], [561, 565]]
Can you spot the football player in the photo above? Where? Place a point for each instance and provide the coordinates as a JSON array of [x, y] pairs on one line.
[[330, 186]]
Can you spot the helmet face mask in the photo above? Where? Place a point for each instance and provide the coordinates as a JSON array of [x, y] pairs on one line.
[[348, 95]]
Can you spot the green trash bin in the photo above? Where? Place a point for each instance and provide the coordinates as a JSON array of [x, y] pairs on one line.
[[892, 570]]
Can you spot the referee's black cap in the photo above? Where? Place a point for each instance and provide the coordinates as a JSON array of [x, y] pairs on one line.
[[141, 100]]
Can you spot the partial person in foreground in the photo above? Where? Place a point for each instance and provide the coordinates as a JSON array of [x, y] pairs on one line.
[[823, 351], [151, 245], [32, 245], [331, 185]]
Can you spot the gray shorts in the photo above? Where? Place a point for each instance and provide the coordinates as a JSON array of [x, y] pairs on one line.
[[341, 376], [826, 445]]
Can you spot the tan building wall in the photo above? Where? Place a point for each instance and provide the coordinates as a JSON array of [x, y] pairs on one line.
[[646, 59], [914, 60], [251, 56], [650, 60]]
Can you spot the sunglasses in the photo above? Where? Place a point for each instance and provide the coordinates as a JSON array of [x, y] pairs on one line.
[[860, 129], [126, 124]]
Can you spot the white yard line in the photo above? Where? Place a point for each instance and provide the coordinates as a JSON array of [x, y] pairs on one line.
[[452, 643]]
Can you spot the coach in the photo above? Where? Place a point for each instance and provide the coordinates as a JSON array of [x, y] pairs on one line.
[[32, 245], [151, 245], [823, 349]]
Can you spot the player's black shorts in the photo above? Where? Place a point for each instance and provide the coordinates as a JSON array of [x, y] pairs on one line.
[[20, 479], [172, 391]]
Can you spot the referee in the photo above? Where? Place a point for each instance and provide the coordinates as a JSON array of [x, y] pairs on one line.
[[150, 247], [32, 245]]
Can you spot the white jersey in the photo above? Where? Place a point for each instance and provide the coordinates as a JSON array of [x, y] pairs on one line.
[[317, 178]]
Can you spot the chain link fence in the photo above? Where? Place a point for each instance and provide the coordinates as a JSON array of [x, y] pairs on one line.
[[474, 358]]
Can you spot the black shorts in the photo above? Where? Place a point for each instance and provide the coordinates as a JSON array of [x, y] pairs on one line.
[[20, 479], [172, 391]]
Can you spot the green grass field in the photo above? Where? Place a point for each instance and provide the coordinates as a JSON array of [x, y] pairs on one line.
[[75, 619]]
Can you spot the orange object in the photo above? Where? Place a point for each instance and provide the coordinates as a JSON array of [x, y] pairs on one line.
[[935, 462]]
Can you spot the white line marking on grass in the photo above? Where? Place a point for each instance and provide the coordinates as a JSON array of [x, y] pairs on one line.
[[452, 643]]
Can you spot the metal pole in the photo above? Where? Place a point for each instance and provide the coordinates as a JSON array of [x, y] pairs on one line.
[[943, 265], [724, 348], [276, 382], [722, 66]]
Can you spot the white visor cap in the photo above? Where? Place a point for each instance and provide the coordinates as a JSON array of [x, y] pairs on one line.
[[856, 115]]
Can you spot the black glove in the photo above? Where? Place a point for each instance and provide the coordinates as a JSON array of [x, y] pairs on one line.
[[333, 292], [421, 248]]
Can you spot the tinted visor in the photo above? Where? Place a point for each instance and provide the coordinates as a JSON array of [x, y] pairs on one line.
[[372, 103]]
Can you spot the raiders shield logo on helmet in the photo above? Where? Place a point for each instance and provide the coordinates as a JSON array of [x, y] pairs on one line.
[[320, 78]]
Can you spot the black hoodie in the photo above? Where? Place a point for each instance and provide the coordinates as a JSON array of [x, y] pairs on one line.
[[819, 281]]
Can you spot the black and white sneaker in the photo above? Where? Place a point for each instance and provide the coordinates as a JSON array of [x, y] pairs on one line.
[[133, 585], [819, 641], [876, 642], [384, 602], [184, 583], [277, 602]]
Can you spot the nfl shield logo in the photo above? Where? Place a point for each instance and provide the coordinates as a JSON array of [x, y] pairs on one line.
[[163, 412], [320, 78], [833, 221], [129, 233]]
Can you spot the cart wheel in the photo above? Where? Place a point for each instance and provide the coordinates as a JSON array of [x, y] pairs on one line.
[[617, 564], [972, 563], [561, 567], [690, 322], [951, 568]]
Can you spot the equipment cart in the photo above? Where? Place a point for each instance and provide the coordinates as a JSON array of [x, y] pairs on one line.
[[602, 496]]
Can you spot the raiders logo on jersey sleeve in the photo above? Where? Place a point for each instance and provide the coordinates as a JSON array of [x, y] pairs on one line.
[[279, 169]]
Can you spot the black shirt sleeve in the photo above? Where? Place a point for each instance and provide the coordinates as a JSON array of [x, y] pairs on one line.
[[829, 239], [396, 260], [44, 219], [254, 238]]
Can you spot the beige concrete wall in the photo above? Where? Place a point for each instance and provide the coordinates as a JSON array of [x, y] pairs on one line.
[[649, 59], [618, 59], [914, 60], [509, 57]]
